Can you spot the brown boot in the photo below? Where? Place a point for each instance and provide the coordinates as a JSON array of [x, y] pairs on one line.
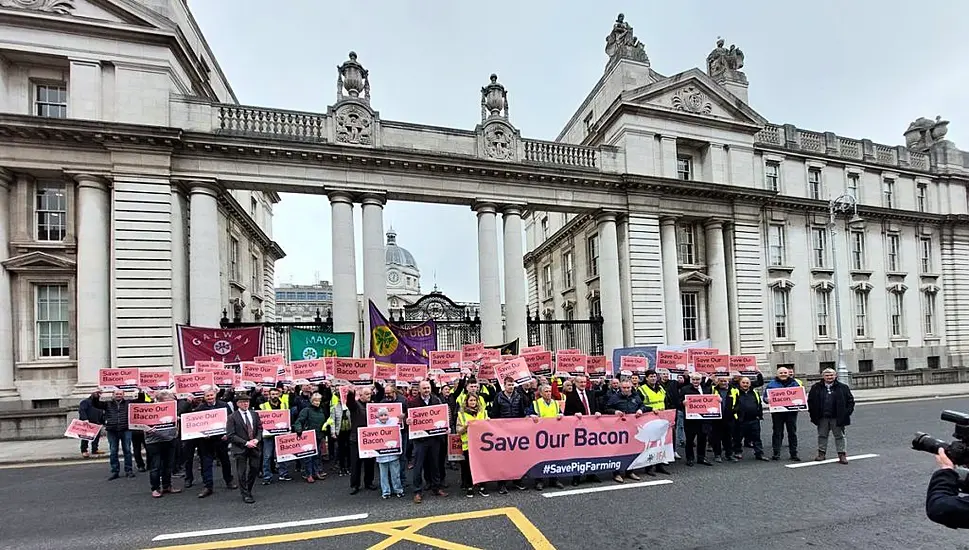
[[842, 458], [821, 456]]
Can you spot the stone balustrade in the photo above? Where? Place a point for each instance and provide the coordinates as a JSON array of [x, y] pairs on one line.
[[899, 379], [788, 136], [278, 123], [563, 154]]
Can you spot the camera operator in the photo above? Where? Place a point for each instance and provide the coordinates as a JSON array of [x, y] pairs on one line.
[[943, 504]]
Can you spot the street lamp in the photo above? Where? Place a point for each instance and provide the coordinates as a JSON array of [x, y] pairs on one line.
[[840, 206]]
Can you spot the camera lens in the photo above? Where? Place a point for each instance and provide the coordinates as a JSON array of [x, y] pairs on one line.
[[927, 443]]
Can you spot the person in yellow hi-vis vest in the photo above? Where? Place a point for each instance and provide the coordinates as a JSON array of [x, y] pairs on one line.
[[654, 397], [546, 407], [472, 410]]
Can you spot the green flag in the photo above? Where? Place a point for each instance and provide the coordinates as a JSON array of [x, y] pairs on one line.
[[308, 344]]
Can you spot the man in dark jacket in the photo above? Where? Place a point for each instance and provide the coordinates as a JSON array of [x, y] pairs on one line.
[[749, 413], [512, 402], [831, 405], [357, 407], [626, 401], [209, 447], [582, 401], [88, 412], [426, 449], [116, 426], [697, 431]]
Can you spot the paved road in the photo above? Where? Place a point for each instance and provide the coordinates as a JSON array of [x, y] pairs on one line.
[[871, 503]]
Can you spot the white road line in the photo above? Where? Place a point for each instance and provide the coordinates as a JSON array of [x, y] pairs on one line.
[[263, 527], [47, 463], [828, 461], [615, 487]]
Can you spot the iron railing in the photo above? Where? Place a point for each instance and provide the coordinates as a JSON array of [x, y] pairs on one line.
[[451, 335], [556, 334]]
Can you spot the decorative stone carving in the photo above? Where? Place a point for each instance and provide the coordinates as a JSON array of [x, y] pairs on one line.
[[354, 124], [623, 44], [494, 100], [924, 133], [498, 140], [353, 79], [724, 64], [691, 100], [62, 7]]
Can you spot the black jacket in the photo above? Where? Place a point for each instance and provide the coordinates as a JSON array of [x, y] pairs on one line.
[[235, 429], [844, 402], [509, 407], [748, 406], [115, 414], [943, 504], [573, 404], [89, 411], [629, 404]]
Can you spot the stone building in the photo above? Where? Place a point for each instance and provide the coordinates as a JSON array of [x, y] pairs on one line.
[[94, 236], [741, 226]]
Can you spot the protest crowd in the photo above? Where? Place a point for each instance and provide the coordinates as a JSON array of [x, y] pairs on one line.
[[397, 428]]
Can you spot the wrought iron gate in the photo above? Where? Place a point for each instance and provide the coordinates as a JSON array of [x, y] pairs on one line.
[[456, 324], [556, 334]]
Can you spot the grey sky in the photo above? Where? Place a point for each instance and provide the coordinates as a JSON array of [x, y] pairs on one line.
[[864, 69]]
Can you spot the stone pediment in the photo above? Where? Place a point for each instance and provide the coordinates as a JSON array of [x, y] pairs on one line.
[[693, 93], [694, 277], [114, 11], [40, 262]]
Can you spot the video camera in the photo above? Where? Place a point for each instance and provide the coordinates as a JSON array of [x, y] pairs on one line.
[[958, 450]]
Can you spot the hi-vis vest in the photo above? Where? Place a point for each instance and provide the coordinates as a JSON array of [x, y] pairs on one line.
[[543, 410], [464, 418], [654, 399], [283, 404]]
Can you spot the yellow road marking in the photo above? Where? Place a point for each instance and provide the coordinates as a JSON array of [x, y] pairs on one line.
[[397, 531], [48, 463]]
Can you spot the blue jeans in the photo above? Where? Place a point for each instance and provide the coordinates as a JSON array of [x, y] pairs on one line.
[[124, 437], [94, 444], [390, 478], [680, 432], [268, 454]]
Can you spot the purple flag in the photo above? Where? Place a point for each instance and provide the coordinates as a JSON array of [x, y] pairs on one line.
[[390, 343]]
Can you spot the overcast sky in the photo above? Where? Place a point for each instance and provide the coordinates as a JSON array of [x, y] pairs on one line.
[[863, 69]]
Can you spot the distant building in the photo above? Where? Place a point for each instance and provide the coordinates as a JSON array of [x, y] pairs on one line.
[[295, 303]]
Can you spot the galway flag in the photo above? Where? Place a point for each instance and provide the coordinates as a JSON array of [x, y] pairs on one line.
[[390, 343], [227, 345]]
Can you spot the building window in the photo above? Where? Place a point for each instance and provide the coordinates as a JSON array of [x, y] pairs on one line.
[[772, 175], [853, 188], [592, 245], [690, 302], [781, 307], [545, 228], [901, 363], [866, 365], [547, 280], [928, 313], [234, 259], [858, 261], [256, 272], [826, 365], [595, 308], [823, 308], [50, 100], [921, 197], [888, 193], [253, 207], [894, 249], [814, 183], [53, 327], [568, 269], [776, 244], [819, 238], [861, 314], [684, 167], [933, 361], [896, 313], [686, 243], [51, 212], [925, 254]]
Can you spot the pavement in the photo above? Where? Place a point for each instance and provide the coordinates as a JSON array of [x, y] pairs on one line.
[[877, 501], [64, 449]]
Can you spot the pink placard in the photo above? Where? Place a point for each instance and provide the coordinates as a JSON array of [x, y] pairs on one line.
[[570, 351], [711, 365], [193, 384], [382, 440], [633, 364], [787, 399], [487, 371], [202, 366], [693, 353], [597, 366], [159, 415], [396, 410], [309, 371], [572, 364], [407, 372], [517, 369], [446, 361], [258, 374], [82, 429], [539, 364], [531, 349], [428, 421], [352, 371], [702, 407], [386, 371], [455, 448], [274, 421], [110, 380], [674, 361], [472, 352], [196, 425], [276, 359], [292, 447], [746, 365], [284, 374], [224, 378], [155, 379]]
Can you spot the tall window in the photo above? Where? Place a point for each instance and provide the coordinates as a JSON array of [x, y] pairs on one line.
[[547, 280], [50, 100], [781, 307], [853, 180], [772, 175], [544, 227], [814, 183], [253, 207], [568, 269], [819, 243], [592, 248], [925, 254], [690, 302], [894, 251], [888, 192], [823, 307], [684, 167], [921, 197], [861, 313], [928, 313], [776, 244], [53, 326], [51, 212], [686, 243], [858, 260], [256, 275], [895, 313], [595, 307], [234, 259]]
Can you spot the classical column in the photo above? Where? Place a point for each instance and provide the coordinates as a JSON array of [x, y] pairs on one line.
[[671, 282], [179, 265], [516, 306], [7, 388], [610, 297], [488, 283], [204, 266], [93, 280], [346, 316], [374, 261], [717, 270]]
